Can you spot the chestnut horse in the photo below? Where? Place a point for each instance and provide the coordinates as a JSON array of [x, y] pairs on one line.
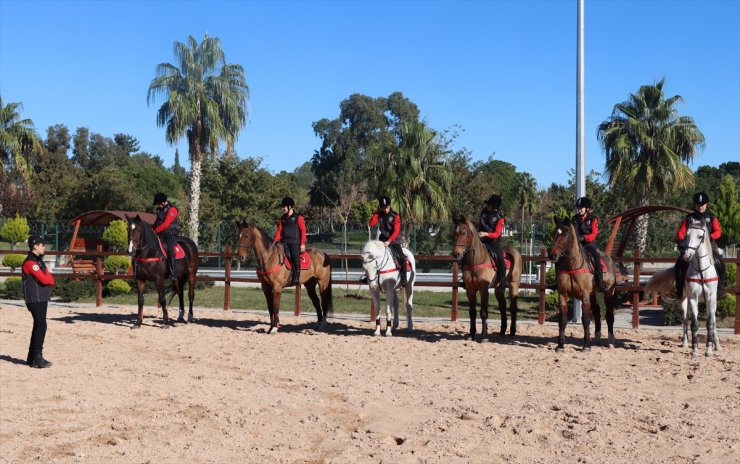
[[479, 272], [150, 264], [575, 280], [273, 273]]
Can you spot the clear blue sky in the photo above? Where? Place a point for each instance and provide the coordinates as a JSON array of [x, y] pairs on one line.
[[502, 70]]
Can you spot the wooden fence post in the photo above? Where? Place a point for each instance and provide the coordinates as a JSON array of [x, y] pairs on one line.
[[455, 291], [99, 277], [227, 280], [543, 286], [636, 293]]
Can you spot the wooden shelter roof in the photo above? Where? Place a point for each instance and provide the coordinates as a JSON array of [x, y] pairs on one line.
[[103, 217], [629, 217]]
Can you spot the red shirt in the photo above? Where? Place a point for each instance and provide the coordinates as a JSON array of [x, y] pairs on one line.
[[301, 228], [171, 216], [33, 269], [714, 235], [396, 225]]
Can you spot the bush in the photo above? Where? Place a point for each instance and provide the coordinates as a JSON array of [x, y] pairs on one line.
[[116, 235], [726, 307], [730, 275], [13, 261], [13, 288], [15, 230], [70, 290], [118, 287], [551, 276], [552, 302], [116, 264], [672, 313]]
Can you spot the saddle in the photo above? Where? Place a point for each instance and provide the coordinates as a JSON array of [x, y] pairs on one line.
[[305, 261], [179, 252], [508, 259], [591, 264]]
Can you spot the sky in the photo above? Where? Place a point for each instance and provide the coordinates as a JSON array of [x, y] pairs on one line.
[[502, 72]]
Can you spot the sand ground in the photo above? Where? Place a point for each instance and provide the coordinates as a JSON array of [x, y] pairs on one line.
[[222, 390]]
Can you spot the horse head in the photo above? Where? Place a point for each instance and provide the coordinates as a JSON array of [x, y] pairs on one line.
[[462, 237], [696, 237], [246, 238], [372, 255], [135, 234], [563, 240]]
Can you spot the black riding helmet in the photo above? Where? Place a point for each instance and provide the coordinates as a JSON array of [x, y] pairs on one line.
[[494, 200], [583, 202], [159, 197], [287, 201], [35, 240], [384, 201], [701, 198]]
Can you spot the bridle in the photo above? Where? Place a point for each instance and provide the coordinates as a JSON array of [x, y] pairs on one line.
[[564, 252], [695, 256], [378, 265]]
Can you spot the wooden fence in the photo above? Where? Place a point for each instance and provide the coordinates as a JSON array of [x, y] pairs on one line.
[[630, 283]]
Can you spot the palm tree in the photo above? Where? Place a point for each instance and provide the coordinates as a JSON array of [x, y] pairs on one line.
[[17, 138], [205, 100], [414, 173], [648, 146], [525, 189]]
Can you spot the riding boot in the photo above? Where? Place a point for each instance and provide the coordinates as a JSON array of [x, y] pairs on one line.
[[679, 277], [172, 267], [402, 274], [719, 265], [296, 275], [38, 361], [599, 278]]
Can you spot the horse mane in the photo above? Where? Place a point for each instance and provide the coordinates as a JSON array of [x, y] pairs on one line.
[[707, 242], [266, 240]]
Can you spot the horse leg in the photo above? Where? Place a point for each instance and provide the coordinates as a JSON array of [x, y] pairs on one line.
[[275, 313], [375, 294], [191, 295], [685, 310], [610, 301], [596, 311], [712, 338], [181, 297], [396, 299], [390, 304], [471, 308], [694, 306], [163, 302], [325, 290], [314, 296], [502, 309], [409, 305], [586, 304], [140, 319], [562, 322], [484, 314]]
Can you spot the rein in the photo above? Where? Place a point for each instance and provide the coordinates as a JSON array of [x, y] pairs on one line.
[[572, 270]]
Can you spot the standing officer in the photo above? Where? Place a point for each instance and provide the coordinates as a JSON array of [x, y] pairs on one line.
[[587, 228], [700, 213], [389, 225], [490, 227], [166, 226], [37, 282], [291, 232]]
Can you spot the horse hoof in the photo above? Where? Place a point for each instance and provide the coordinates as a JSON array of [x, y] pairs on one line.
[[559, 349], [483, 340], [377, 333], [388, 333], [182, 320], [709, 353], [273, 330], [136, 325], [585, 349]]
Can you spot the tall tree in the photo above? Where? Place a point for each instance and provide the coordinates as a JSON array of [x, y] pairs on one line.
[[727, 209], [525, 189], [415, 174], [17, 138], [648, 146], [206, 100]]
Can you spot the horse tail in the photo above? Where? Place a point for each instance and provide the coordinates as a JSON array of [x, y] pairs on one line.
[[661, 282], [329, 310]]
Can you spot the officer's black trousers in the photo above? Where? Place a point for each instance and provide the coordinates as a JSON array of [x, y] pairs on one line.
[[38, 334], [293, 254]]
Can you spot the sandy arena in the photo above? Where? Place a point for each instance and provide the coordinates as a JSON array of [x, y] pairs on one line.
[[222, 390]]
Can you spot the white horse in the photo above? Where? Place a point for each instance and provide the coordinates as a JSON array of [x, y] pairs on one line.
[[701, 284], [382, 275]]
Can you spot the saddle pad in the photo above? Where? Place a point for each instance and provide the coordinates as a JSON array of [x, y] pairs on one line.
[[591, 265], [305, 262], [507, 260], [179, 252]]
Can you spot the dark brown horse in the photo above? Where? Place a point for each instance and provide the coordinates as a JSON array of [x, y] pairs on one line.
[[150, 265], [273, 273], [575, 280], [479, 272]]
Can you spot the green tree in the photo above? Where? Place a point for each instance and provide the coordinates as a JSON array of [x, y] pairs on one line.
[[206, 100], [525, 190], [116, 235], [17, 138], [15, 230], [727, 209], [415, 174], [648, 146]]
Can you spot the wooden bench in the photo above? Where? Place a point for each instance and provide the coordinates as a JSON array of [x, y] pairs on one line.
[[84, 266]]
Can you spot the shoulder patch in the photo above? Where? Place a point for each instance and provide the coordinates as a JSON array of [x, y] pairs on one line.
[[35, 267]]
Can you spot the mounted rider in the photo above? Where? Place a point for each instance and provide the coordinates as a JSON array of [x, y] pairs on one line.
[[166, 226], [291, 232], [587, 228], [711, 222], [490, 227], [389, 226]]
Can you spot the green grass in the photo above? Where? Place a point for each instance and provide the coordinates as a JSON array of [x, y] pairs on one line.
[[426, 304]]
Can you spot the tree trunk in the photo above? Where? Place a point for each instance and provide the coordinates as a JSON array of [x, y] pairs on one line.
[[195, 171], [641, 225]]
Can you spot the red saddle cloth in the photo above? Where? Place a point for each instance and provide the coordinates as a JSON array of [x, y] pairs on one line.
[[408, 264], [305, 262], [179, 252], [591, 265], [507, 260]]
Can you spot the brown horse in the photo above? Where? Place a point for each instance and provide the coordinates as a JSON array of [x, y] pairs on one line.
[[479, 272], [575, 280], [150, 264], [273, 273]]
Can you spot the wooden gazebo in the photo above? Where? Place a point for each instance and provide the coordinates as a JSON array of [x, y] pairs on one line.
[[96, 218], [629, 217]]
